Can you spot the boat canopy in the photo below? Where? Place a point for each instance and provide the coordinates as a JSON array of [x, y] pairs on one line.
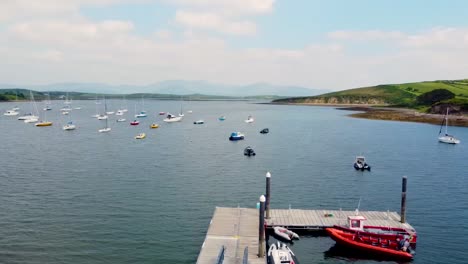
[[356, 222]]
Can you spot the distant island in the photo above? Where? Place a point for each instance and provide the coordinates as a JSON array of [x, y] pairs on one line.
[[415, 102]]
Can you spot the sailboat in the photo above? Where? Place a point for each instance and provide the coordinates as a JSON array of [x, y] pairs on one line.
[[34, 116], [107, 128], [181, 113], [47, 104], [123, 108], [69, 125], [44, 122], [142, 112], [67, 101], [446, 138]]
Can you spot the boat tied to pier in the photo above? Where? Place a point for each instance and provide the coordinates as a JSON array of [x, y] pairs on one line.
[[389, 242], [285, 233], [280, 253]]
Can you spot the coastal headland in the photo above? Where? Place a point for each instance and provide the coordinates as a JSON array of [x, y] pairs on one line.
[[394, 114]]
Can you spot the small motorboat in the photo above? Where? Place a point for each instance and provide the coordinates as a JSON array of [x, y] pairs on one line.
[[285, 233], [250, 119], [121, 120], [104, 130], [43, 124], [189, 111], [162, 113], [47, 108], [172, 118], [221, 118], [69, 126], [140, 136], [102, 117], [135, 123], [119, 113], [248, 151], [154, 125], [264, 131], [110, 113], [199, 122], [281, 254], [27, 116], [141, 114], [236, 136], [65, 112], [360, 163], [11, 113]]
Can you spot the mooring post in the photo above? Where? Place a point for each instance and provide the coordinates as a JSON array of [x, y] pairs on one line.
[[268, 194], [261, 228], [403, 200]]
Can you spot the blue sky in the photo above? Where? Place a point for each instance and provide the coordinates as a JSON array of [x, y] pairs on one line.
[[317, 44]]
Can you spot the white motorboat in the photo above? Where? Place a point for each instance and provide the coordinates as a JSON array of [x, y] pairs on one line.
[[69, 126], [360, 163], [65, 112], [250, 119], [141, 114], [172, 118], [110, 113], [27, 116], [11, 113], [285, 233], [281, 254], [121, 120], [102, 117], [32, 119], [119, 113], [446, 138]]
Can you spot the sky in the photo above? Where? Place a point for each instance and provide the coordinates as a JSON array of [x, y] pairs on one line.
[[329, 44]]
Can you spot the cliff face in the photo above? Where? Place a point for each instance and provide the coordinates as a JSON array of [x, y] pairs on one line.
[[441, 109]]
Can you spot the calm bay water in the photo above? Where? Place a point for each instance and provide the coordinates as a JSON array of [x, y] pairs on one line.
[[86, 197]]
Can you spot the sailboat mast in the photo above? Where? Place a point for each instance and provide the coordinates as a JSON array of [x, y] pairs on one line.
[[446, 121], [105, 111]]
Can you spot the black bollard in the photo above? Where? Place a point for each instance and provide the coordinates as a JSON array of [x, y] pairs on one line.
[[403, 200], [268, 194], [261, 228]]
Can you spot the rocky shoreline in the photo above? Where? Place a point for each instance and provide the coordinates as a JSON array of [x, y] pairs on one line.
[[393, 114], [404, 115]]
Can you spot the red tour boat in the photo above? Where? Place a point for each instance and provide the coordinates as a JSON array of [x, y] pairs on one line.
[[383, 241]]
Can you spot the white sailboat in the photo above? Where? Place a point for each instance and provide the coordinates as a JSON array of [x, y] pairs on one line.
[[34, 116], [446, 138], [142, 112], [67, 101], [47, 106], [107, 128], [181, 113]]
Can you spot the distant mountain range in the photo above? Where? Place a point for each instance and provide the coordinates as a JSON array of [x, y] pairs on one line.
[[177, 87]]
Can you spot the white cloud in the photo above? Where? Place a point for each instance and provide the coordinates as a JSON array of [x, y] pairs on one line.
[[212, 21], [240, 7], [50, 41]]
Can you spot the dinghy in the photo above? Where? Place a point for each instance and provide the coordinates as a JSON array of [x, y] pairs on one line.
[[285, 233]]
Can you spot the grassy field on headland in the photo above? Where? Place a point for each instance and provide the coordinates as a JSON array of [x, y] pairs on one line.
[[401, 102]]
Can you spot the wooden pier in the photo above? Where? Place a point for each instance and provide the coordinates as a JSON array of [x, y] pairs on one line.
[[235, 229]]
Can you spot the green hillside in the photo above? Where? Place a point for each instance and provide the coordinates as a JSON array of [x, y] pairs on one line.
[[390, 94]]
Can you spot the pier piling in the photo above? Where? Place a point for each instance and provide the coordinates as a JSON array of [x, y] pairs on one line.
[[261, 228], [268, 194], [403, 200]]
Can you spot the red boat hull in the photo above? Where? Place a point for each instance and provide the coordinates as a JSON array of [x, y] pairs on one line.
[[386, 248]]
